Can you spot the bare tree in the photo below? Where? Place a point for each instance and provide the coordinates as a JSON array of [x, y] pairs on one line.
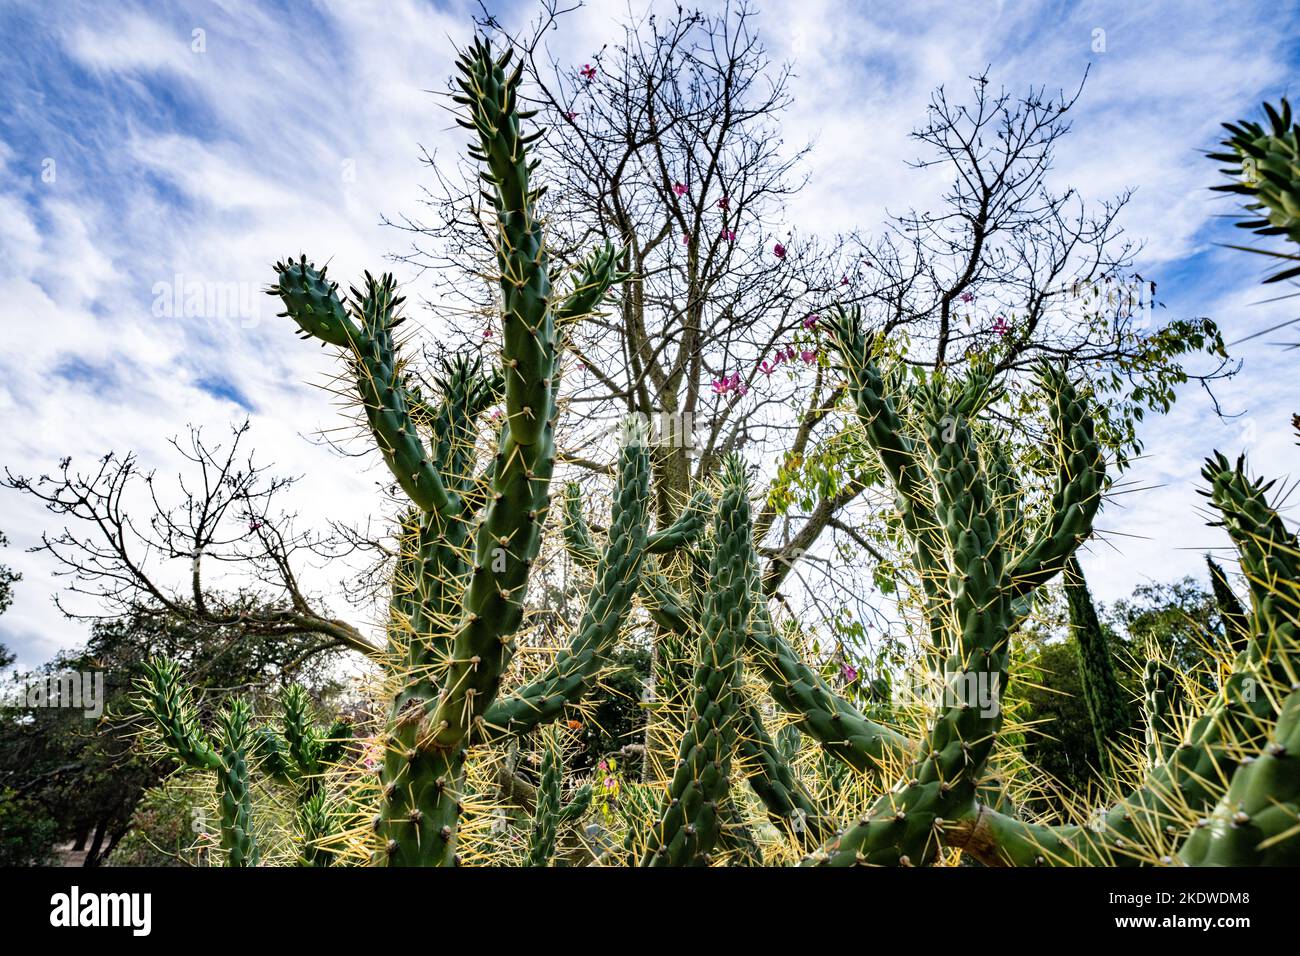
[[228, 517], [669, 141]]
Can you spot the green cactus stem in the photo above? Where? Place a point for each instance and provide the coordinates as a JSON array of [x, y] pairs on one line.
[[1236, 624], [1257, 822], [546, 814], [960, 544], [233, 794], [317, 823], [1264, 165], [1163, 699], [690, 823], [227, 755], [789, 805], [1107, 702], [618, 573]]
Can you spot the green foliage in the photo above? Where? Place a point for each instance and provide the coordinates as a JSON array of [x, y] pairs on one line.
[[615, 722], [8, 578], [27, 832], [1179, 618], [165, 827], [1060, 740]]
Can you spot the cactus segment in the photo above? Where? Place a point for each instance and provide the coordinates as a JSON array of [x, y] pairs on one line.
[[686, 528], [689, 822], [1162, 704], [618, 573], [1107, 703]]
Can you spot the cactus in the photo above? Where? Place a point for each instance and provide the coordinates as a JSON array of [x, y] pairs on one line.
[[551, 813], [972, 582], [1264, 165], [317, 823], [226, 754], [791, 808], [1235, 625], [1163, 700], [298, 756], [470, 541], [690, 820], [1107, 702], [1257, 820]]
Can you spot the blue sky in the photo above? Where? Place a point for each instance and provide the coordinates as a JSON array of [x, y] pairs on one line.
[[140, 157]]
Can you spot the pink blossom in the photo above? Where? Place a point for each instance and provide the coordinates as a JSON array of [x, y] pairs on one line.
[[570, 116], [686, 238], [766, 367], [844, 280], [588, 72], [494, 414], [679, 189], [729, 383], [778, 250], [487, 333], [729, 235], [724, 203], [810, 320], [1000, 326], [849, 672], [603, 765], [808, 357], [968, 297]]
